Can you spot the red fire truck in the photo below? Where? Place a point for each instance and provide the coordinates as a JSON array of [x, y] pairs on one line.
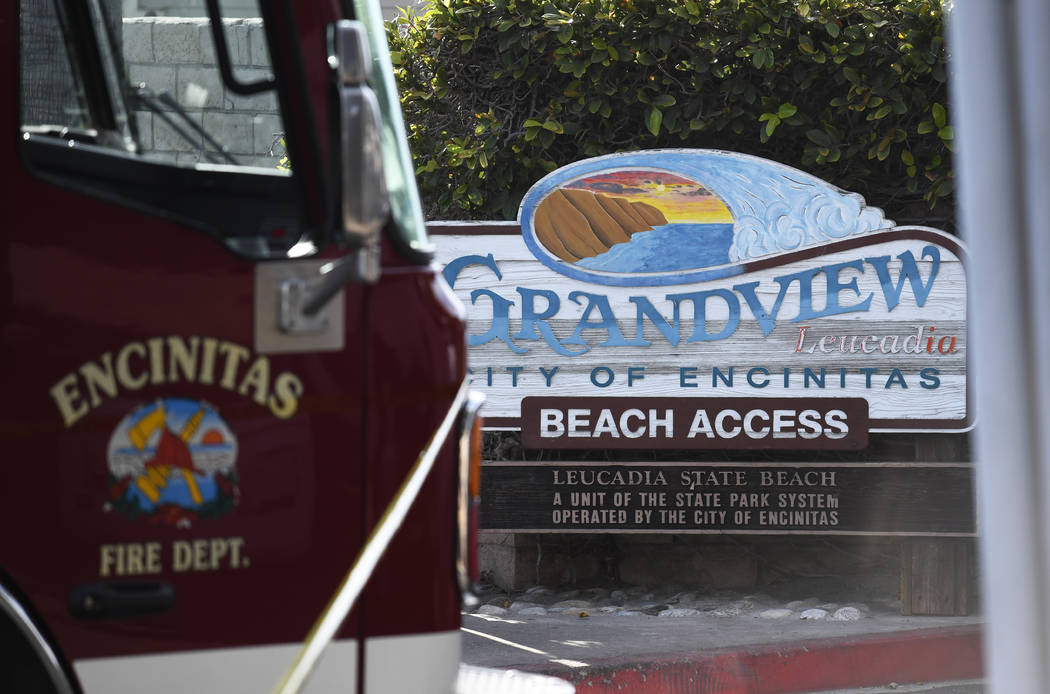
[[226, 385]]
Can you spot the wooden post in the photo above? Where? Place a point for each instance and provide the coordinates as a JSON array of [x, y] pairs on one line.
[[937, 574]]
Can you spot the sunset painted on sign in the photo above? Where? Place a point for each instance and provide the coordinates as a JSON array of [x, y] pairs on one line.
[[680, 199], [634, 221]]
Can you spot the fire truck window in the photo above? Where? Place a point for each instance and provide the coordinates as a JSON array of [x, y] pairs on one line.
[[50, 95], [404, 197], [164, 96]]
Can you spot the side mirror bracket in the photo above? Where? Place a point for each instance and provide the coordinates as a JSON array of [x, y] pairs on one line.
[[363, 200]]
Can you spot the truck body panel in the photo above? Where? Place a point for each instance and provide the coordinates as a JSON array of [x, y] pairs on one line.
[[180, 497]]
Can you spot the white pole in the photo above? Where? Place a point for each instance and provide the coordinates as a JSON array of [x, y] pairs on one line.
[[1034, 62], [1000, 80]]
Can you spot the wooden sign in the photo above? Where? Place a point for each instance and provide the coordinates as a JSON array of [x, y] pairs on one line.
[[933, 499], [698, 275]]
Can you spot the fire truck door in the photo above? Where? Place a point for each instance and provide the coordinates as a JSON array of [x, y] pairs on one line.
[[182, 474]]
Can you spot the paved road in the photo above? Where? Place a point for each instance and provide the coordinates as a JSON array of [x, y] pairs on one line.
[[572, 642]]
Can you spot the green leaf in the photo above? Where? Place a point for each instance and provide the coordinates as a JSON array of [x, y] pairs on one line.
[[483, 160], [946, 133], [819, 138], [884, 148], [925, 127], [532, 124], [787, 110], [656, 117], [940, 117], [832, 28], [554, 126], [664, 101], [908, 158], [883, 112], [772, 124], [664, 42]]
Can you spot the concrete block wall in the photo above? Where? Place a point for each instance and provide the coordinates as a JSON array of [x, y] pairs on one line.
[[177, 55], [230, 8]]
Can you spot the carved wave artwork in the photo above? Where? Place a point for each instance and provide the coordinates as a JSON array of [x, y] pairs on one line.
[[666, 217], [577, 224]]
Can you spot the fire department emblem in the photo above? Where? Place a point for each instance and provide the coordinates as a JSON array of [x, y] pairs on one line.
[[173, 461]]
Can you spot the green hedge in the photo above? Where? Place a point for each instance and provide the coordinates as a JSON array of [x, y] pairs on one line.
[[497, 94]]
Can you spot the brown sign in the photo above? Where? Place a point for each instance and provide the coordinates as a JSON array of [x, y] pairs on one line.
[[801, 498], [718, 423]]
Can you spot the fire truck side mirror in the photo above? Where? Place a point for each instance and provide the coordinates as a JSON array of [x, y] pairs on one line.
[[364, 203]]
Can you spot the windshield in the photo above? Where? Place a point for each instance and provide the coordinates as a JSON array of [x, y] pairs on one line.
[[168, 103], [397, 161]]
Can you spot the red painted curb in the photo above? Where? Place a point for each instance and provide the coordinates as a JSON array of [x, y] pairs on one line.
[[924, 655]]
